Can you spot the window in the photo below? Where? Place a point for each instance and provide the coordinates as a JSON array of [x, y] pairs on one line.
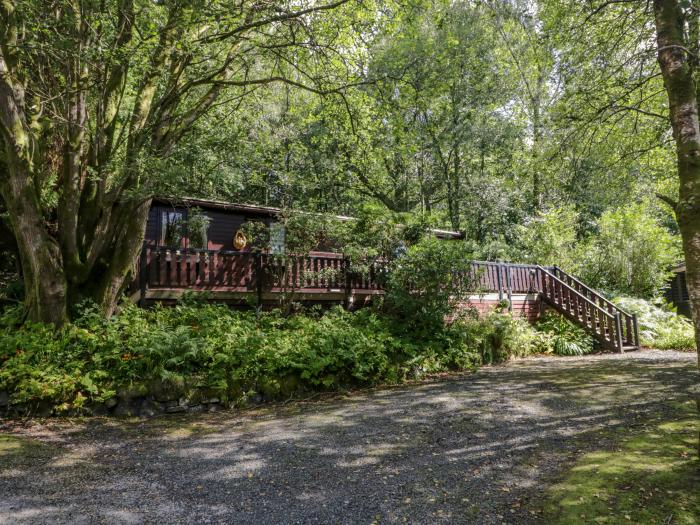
[[197, 227], [171, 224]]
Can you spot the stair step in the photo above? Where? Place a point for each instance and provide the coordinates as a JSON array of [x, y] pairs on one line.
[[629, 348]]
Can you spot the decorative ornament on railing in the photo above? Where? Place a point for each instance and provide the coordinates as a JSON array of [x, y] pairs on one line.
[[240, 241]]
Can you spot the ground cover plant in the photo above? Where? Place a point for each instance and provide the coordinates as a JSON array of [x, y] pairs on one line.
[[561, 337], [209, 351], [650, 477], [659, 324]]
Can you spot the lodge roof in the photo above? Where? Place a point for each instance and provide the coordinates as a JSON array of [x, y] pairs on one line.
[[679, 268], [268, 211]]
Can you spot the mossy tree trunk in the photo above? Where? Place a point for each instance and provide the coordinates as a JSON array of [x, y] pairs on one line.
[[678, 59], [90, 93]]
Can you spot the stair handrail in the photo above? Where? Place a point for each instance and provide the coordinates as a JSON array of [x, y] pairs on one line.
[[614, 334], [607, 301], [631, 322], [579, 294]]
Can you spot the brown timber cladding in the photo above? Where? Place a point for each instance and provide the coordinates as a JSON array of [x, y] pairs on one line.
[[237, 277]]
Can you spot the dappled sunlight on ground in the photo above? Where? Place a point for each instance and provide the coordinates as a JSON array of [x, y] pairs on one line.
[[478, 448], [650, 477]]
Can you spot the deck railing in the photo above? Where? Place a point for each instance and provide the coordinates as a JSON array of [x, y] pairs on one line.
[[614, 327], [629, 325], [254, 272], [248, 271], [199, 269]]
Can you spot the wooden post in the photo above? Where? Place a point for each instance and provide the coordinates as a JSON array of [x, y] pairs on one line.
[[510, 292], [618, 334], [347, 284], [143, 275], [636, 331], [257, 268], [499, 282]]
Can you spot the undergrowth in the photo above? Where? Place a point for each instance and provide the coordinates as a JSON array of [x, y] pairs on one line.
[[659, 324], [232, 355]]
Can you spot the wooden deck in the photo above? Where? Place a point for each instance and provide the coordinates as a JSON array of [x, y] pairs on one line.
[[259, 279], [166, 274]]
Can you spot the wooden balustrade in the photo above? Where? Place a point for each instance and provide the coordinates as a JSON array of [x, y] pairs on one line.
[[613, 327], [628, 322], [245, 271], [234, 271]]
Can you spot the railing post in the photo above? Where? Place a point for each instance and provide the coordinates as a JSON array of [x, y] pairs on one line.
[[618, 332], [499, 281], [543, 281], [636, 331], [143, 275], [510, 292], [258, 281], [348, 287]]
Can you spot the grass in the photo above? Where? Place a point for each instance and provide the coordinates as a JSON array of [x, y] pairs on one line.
[[17, 449], [651, 477]]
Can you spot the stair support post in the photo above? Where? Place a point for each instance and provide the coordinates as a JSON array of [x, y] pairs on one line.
[[635, 325], [618, 332]]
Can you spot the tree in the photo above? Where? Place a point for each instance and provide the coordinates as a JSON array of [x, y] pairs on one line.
[[92, 94], [678, 52], [631, 253]]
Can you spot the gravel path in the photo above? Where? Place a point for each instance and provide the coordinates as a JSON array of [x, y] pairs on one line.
[[470, 449]]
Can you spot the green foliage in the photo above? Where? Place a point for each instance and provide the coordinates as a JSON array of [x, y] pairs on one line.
[[659, 324], [561, 337], [498, 337], [631, 254], [551, 238], [626, 251], [232, 355], [426, 284]]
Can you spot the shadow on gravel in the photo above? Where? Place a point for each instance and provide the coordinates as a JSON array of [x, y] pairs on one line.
[[476, 449]]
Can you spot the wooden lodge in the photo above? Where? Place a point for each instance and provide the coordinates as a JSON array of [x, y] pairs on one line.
[[677, 291], [221, 264]]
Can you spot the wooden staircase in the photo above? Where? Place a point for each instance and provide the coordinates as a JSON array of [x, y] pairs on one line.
[[612, 326]]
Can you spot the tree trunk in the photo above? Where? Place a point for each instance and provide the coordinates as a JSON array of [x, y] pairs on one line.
[[685, 121], [113, 273], [45, 284]]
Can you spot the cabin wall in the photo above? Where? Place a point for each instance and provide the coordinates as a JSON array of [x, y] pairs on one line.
[[224, 225], [677, 294], [222, 228]]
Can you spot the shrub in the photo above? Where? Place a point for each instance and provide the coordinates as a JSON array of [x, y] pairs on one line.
[[561, 337], [208, 348], [659, 324], [631, 253], [424, 285], [499, 337]]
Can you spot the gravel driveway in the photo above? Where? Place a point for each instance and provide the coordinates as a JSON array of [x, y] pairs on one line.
[[477, 448]]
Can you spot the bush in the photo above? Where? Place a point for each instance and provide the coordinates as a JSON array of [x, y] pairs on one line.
[[211, 351], [425, 284], [562, 337], [659, 324], [631, 254], [499, 337]]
